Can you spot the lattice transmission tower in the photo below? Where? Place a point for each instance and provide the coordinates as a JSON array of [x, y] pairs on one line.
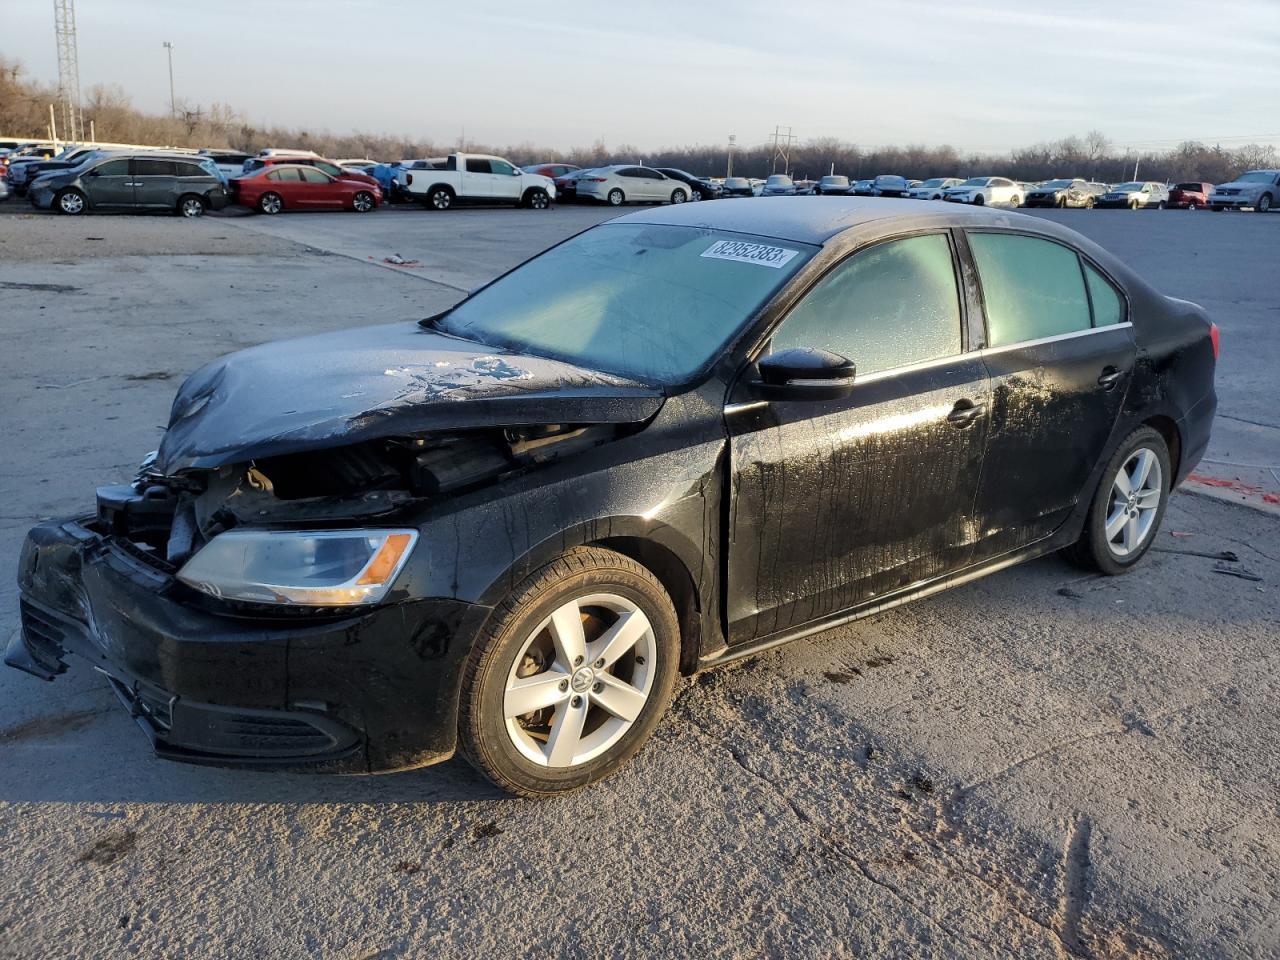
[[64, 22]]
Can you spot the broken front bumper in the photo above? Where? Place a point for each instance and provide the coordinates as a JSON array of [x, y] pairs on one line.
[[342, 691]]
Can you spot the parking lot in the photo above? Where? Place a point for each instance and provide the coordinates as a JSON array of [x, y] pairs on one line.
[[1042, 763]]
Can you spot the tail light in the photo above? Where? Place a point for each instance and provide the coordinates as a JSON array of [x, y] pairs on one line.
[[408, 179], [593, 179], [1213, 337]]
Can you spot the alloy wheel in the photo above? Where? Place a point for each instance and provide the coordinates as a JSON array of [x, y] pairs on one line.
[[615, 198], [71, 203], [441, 200], [362, 202], [1264, 203], [539, 200], [580, 680], [271, 204], [1136, 492], [191, 207]]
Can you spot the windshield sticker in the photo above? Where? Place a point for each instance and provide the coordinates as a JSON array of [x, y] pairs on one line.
[[757, 253]]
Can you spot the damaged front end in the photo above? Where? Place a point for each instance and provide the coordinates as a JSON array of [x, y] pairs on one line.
[[261, 599]]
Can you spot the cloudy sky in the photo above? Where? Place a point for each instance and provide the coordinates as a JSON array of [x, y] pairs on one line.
[[981, 76]]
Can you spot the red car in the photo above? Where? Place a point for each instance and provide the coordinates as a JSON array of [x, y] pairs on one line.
[[328, 166], [1189, 196], [284, 186]]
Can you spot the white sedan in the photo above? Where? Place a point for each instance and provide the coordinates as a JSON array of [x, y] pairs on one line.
[[982, 191], [621, 184], [933, 189]]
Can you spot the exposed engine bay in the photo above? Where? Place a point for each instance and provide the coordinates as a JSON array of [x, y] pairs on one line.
[[170, 517]]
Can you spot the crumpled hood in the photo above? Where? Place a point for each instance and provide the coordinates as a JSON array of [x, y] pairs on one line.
[[354, 385], [1244, 186]]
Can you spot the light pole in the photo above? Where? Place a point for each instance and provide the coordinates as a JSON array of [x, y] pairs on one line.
[[173, 104]]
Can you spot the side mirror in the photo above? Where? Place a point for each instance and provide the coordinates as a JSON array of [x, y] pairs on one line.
[[804, 373]]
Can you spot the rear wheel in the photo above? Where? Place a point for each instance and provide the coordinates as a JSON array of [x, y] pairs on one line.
[[71, 202], [571, 674], [615, 197], [363, 201], [1160, 205], [191, 206], [270, 203], [1128, 505], [440, 198], [1193, 206]]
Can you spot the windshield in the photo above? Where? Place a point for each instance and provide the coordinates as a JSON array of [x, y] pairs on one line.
[[935, 182], [1193, 187], [778, 180], [1127, 187], [653, 302], [975, 182], [1256, 176], [1056, 184]]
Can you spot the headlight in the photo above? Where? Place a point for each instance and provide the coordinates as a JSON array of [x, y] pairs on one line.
[[309, 567]]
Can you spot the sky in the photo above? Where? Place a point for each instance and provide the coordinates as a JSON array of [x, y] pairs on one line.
[[982, 76]]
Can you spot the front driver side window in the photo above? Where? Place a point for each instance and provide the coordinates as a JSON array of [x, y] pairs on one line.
[[888, 306]]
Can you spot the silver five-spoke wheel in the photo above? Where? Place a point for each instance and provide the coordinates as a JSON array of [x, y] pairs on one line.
[[580, 680], [1135, 502]]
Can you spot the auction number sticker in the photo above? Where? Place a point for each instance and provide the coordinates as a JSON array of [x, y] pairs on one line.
[[758, 253]]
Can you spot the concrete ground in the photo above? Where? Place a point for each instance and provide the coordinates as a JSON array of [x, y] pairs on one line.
[[1038, 764]]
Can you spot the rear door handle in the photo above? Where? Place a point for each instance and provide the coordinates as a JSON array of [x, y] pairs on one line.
[[1109, 377], [965, 412]]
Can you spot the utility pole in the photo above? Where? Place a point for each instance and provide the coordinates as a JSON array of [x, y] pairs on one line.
[[1135, 166], [782, 149], [173, 103], [733, 142], [64, 26]]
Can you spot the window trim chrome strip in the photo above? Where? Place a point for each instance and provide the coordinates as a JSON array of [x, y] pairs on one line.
[[1056, 338]]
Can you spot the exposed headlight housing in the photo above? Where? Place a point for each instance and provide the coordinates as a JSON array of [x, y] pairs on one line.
[[321, 568]]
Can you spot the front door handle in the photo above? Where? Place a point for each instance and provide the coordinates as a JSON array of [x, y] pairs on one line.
[[1109, 377], [965, 412]]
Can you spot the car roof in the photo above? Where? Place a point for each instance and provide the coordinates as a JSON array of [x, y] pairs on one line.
[[816, 220]]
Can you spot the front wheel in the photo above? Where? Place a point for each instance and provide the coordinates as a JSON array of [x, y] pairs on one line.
[[1264, 204], [1128, 505], [363, 202], [1133, 204], [571, 674], [979, 201], [1089, 203], [537, 199], [71, 202], [1015, 201], [1160, 205], [270, 203], [1192, 206], [678, 196]]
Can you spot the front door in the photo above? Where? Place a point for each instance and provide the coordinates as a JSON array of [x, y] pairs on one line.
[[837, 502], [506, 180], [320, 189], [110, 185], [1060, 356], [155, 183]]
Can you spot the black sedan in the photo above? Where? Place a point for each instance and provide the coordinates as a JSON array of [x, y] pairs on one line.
[[700, 187], [675, 439]]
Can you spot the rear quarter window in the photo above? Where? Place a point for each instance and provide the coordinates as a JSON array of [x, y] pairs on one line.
[[1108, 305], [1032, 288]]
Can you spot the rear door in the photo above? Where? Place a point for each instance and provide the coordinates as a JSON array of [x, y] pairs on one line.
[[109, 184], [1060, 355], [287, 181], [476, 180], [155, 183], [837, 502]]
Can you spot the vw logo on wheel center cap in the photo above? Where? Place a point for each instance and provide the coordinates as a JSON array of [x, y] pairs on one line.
[[583, 679]]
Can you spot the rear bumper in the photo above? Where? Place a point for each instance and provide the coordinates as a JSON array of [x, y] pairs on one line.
[[372, 691]]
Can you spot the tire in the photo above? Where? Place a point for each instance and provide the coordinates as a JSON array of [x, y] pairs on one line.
[[1133, 205], [1015, 201], [191, 206], [439, 198], [979, 201], [363, 202], [71, 202], [1193, 206], [1061, 203], [679, 196], [270, 204], [697, 196], [616, 198], [1089, 203], [537, 199], [1264, 204], [1096, 550], [521, 641], [1160, 205]]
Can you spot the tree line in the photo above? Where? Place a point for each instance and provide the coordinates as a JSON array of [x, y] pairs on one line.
[[24, 112]]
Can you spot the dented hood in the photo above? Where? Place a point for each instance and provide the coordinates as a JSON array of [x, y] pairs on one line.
[[354, 385]]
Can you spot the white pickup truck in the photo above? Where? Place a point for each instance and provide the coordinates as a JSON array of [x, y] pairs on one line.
[[442, 182]]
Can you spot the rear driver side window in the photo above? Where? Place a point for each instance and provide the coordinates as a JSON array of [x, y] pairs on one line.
[[1032, 288], [888, 306]]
